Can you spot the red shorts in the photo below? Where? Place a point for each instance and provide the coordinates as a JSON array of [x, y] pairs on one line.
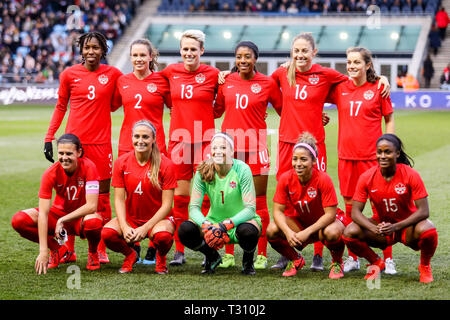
[[258, 161], [397, 236], [349, 172], [136, 223], [187, 156], [73, 227], [101, 155], [284, 158]]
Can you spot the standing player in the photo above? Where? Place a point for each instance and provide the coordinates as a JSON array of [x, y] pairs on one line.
[[232, 216], [361, 109], [310, 192], [143, 94], [89, 86], [193, 87], [144, 182], [401, 201], [305, 87], [76, 182], [244, 98]]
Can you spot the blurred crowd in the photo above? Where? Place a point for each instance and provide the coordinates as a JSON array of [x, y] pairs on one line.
[[38, 38]]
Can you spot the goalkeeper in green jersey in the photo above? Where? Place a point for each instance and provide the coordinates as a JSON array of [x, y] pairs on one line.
[[232, 217]]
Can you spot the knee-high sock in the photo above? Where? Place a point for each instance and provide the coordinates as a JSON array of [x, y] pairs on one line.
[[282, 247], [361, 249], [163, 241], [318, 248], [348, 213], [28, 229], [104, 208], [115, 242], [93, 231], [428, 241], [263, 212], [387, 253], [180, 214], [336, 249], [70, 243], [229, 248]]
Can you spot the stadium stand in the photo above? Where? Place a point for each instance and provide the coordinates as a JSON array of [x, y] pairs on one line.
[[38, 37]]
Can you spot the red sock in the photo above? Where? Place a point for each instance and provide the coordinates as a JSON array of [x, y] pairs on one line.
[[206, 204], [282, 247], [229, 248], [180, 214], [163, 241], [361, 249], [70, 243], [93, 231], [387, 253], [263, 212], [318, 248], [336, 249], [115, 242], [28, 229], [151, 244], [428, 242], [348, 214]]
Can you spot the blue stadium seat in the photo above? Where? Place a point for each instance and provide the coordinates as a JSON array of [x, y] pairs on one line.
[[418, 9], [406, 9], [395, 10]]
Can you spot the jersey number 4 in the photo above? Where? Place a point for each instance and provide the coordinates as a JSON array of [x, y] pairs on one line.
[[138, 189]]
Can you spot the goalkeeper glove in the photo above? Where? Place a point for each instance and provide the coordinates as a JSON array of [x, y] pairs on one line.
[[48, 151]]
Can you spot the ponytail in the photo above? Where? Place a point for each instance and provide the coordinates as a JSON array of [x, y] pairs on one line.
[[398, 144]]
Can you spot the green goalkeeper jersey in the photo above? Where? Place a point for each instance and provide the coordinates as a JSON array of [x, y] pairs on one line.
[[232, 197]]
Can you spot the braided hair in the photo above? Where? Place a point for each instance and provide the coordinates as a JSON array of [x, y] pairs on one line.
[[97, 35]]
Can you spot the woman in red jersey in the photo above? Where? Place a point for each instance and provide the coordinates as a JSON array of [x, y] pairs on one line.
[[401, 202], [310, 192], [144, 182], [143, 94], [193, 88], [89, 86], [73, 212], [305, 86], [244, 98], [361, 109]]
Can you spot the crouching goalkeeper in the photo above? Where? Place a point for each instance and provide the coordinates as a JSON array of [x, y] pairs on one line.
[[232, 217]]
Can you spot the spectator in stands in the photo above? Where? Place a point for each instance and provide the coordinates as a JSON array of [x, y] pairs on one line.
[[445, 78], [435, 39], [361, 5], [442, 21], [427, 71]]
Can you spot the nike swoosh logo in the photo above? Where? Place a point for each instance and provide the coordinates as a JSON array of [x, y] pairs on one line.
[[291, 192], [60, 185], [126, 172], [345, 93], [76, 80], [230, 87], [125, 87], [374, 190], [175, 77]]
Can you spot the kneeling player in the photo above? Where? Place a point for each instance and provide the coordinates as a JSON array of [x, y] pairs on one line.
[[311, 193], [232, 217], [76, 182], [144, 182], [399, 196]]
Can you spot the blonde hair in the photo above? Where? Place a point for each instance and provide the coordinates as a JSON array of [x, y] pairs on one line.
[[194, 34], [151, 49], [371, 75], [155, 155], [307, 138], [292, 68], [206, 168]]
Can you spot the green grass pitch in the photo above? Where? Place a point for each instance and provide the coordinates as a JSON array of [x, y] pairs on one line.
[[22, 129]]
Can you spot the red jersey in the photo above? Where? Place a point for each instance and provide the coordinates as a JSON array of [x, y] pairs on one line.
[[360, 110], [308, 200], [143, 99], [70, 190], [143, 199], [91, 100], [303, 103], [393, 200], [192, 93], [245, 104]]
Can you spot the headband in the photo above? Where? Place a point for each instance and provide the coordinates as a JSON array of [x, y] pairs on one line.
[[306, 146], [250, 45], [226, 137], [147, 124]]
